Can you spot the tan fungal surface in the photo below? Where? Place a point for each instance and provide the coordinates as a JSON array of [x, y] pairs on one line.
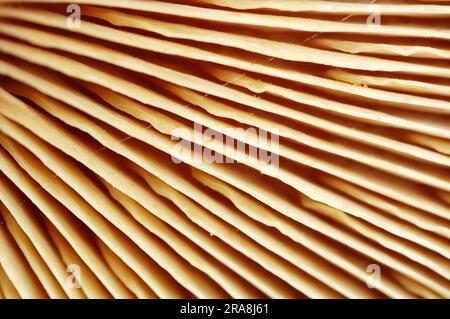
[[224, 149]]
